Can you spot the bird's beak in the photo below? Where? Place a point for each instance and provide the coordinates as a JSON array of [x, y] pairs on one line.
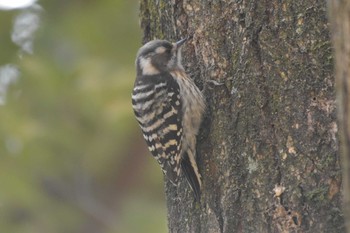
[[181, 42]]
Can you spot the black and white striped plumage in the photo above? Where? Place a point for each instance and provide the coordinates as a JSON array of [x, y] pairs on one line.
[[169, 108]]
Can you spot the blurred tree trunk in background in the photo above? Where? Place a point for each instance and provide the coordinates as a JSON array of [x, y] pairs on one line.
[[339, 13], [268, 148]]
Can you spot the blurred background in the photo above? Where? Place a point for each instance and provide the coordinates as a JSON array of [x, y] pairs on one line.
[[72, 158]]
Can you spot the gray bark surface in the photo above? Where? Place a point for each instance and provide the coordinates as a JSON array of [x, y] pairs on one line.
[[268, 147], [339, 14]]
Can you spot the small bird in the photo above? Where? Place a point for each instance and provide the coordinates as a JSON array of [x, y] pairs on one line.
[[169, 108]]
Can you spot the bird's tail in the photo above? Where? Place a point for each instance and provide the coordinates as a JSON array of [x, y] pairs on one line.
[[190, 169]]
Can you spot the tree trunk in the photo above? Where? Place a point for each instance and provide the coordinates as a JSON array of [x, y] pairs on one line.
[[339, 12], [268, 148]]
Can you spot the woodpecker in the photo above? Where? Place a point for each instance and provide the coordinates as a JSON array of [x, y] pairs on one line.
[[169, 108]]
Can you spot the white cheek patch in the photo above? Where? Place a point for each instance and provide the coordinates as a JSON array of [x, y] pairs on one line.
[[160, 49], [147, 68]]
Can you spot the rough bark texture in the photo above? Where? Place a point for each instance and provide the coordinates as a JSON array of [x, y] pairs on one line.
[[268, 148], [339, 12]]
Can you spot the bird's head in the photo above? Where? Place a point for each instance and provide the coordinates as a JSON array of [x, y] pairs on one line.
[[159, 56]]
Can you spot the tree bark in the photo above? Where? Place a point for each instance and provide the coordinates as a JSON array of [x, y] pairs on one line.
[[268, 147], [339, 13]]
